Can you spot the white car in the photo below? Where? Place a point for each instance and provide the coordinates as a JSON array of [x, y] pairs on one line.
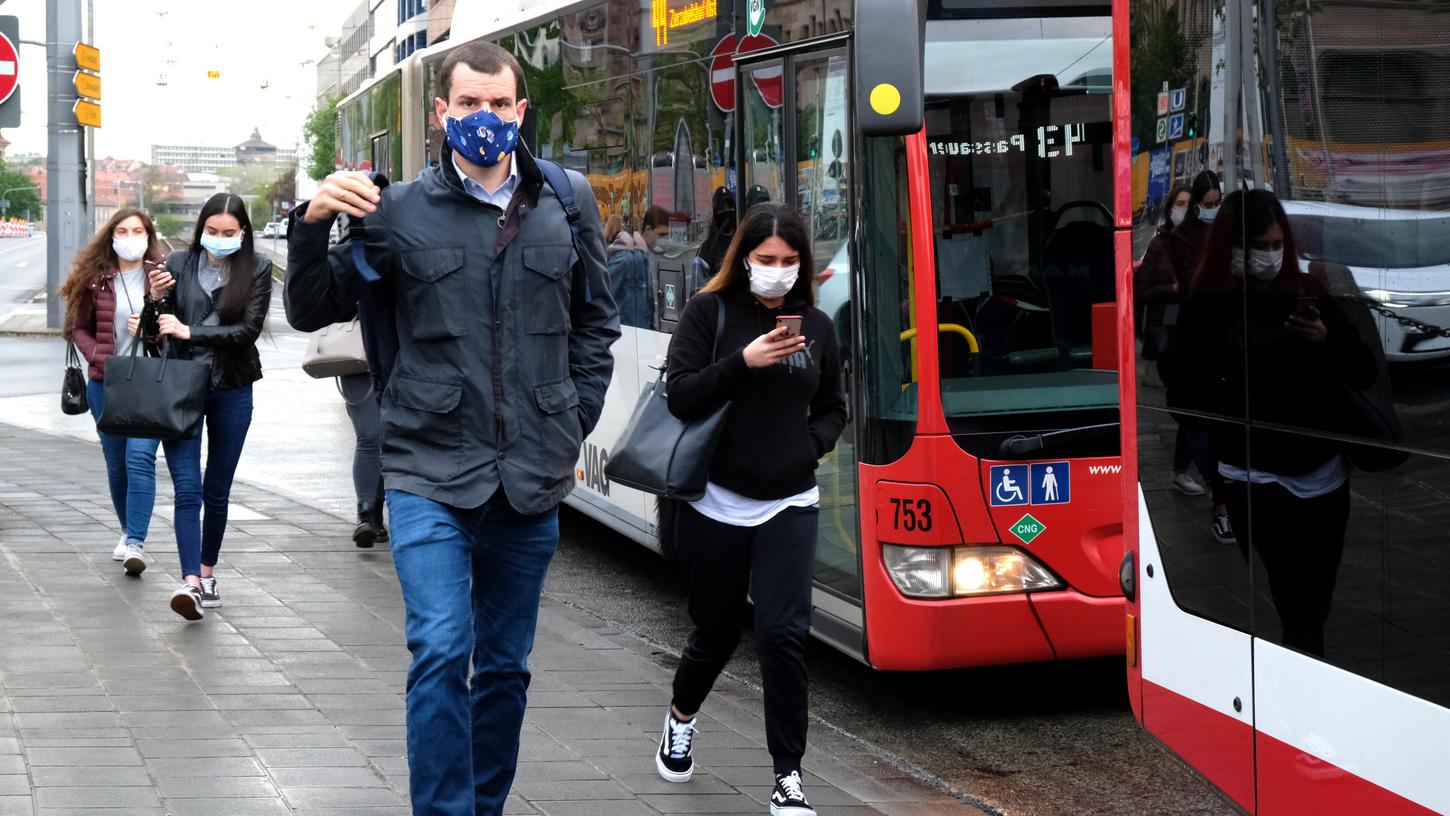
[[270, 231], [1398, 258], [833, 293]]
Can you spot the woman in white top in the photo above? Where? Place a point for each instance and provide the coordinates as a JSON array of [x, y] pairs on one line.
[[755, 529], [105, 294]]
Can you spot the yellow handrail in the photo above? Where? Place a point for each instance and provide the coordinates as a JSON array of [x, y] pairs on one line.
[[948, 327]]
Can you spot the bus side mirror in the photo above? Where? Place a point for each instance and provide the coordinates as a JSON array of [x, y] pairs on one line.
[[890, 37]]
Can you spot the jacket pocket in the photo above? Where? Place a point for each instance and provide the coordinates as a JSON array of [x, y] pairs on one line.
[[544, 297], [421, 438], [557, 396], [436, 296]]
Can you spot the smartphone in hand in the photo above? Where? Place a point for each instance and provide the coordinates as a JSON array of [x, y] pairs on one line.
[[792, 324]]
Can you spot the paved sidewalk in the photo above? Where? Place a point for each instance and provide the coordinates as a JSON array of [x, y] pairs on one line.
[[288, 699]]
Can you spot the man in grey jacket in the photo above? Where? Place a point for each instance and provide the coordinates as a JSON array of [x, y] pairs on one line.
[[504, 327]]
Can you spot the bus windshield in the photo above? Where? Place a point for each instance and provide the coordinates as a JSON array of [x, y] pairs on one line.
[[1019, 149]]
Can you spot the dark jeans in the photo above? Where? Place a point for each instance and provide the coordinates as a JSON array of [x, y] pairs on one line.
[[364, 407], [228, 416], [1301, 542], [471, 583], [773, 563], [130, 471]]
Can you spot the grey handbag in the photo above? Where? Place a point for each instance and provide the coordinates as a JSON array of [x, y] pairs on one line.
[[662, 454], [336, 351]]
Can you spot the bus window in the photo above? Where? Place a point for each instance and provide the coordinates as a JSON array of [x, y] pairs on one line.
[[764, 132], [1018, 142]]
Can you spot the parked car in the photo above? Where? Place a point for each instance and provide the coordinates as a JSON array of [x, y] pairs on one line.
[[270, 231]]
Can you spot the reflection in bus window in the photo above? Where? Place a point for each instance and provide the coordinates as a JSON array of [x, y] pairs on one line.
[[1018, 141]]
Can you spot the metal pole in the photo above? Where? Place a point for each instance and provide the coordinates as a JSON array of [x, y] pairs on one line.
[[90, 157], [65, 208]]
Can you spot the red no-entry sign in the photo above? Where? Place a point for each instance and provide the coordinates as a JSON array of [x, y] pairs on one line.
[[9, 68], [767, 79]]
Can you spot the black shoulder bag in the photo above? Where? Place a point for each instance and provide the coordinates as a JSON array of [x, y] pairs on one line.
[[154, 397], [662, 454], [73, 387]]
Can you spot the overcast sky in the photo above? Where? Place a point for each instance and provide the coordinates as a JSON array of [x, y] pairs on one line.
[[250, 43]]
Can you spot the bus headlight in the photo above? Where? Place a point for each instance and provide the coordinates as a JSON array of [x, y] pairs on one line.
[[944, 572]]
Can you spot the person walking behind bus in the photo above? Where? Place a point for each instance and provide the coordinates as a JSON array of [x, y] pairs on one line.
[[104, 295], [211, 301], [504, 327], [754, 532]]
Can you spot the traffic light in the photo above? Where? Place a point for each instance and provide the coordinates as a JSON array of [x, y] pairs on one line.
[[1192, 125]]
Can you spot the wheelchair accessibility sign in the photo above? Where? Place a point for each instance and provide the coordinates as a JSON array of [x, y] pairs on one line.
[[1038, 483]]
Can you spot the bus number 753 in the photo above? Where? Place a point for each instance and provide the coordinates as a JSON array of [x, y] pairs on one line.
[[912, 515]]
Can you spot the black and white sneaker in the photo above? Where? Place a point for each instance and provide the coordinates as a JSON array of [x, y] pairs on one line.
[[210, 597], [1223, 532], [135, 560], [186, 602], [675, 759], [788, 799]]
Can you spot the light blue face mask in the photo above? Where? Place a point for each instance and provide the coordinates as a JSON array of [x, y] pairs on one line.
[[219, 246]]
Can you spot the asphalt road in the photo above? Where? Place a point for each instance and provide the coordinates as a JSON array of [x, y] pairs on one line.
[[22, 270], [1040, 739]]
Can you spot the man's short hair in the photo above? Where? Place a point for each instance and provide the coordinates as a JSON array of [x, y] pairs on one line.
[[486, 58]]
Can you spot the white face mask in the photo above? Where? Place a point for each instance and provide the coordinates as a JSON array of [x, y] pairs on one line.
[[1207, 214], [772, 282], [1262, 264], [1176, 215], [130, 248]]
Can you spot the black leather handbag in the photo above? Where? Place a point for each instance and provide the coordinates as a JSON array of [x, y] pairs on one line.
[[662, 454], [154, 397], [73, 387]]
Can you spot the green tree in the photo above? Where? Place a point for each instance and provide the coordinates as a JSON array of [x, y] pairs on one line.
[[171, 226], [320, 136], [27, 197]]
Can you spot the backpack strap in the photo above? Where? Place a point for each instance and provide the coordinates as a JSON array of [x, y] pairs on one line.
[[558, 181]]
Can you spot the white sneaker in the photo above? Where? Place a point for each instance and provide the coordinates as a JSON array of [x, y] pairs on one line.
[[1187, 485], [135, 562], [119, 554]]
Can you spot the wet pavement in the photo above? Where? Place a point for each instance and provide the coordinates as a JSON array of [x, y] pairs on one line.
[[288, 699]]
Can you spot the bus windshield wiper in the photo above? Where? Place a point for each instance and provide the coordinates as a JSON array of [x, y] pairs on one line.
[[1019, 445]]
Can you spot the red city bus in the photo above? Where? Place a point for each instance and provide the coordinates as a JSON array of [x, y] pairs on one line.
[[1302, 665], [970, 512]]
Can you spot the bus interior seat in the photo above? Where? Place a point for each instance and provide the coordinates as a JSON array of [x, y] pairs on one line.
[[1077, 267]]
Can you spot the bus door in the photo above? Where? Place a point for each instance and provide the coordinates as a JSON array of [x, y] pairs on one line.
[[796, 146]]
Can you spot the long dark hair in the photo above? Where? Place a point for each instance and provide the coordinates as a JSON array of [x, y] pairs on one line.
[[761, 222], [1246, 215], [98, 256], [239, 264]]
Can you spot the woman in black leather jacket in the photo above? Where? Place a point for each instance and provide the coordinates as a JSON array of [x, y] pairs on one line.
[[210, 302]]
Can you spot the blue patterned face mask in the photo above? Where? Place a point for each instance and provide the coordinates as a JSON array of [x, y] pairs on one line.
[[482, 137]]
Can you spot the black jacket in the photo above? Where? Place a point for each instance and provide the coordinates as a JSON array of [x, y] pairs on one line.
[[1245, 376], [504, 332], [235, 360], [783, 418]]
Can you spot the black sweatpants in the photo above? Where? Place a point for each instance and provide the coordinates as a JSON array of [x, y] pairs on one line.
[[773, 563]]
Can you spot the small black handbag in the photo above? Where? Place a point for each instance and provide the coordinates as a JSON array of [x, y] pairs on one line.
[[73, 387], [662, 454], [154, 397]]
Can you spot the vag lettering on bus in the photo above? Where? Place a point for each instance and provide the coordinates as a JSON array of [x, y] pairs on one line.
[[595, 458]]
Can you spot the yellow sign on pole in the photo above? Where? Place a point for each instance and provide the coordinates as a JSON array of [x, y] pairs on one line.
[[88, 57], [88, 85], [87, 113], [213, 74]]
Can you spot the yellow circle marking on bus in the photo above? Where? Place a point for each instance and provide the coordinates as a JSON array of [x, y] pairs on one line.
[[885, 99]]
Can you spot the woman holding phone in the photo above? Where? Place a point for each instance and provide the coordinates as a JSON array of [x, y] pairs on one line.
[[210, 302], [104, 297], [754, 531]]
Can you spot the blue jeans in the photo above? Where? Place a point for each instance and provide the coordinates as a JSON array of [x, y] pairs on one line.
[[471, 583], [228, 416], [131, 471]]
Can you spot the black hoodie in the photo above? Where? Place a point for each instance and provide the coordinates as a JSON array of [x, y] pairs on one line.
[[782, 418]]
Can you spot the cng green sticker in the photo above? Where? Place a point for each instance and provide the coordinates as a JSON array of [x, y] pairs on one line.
[[1028, 528]]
